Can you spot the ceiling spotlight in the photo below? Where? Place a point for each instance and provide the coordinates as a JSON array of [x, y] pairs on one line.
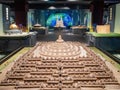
[[45, 0], [66, 8], [73, 0], [52, 7]]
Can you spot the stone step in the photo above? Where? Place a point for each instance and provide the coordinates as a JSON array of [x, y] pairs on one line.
[[112, 87], [92, 88]]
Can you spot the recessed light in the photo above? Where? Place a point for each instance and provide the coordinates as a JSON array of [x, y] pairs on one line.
[[45, 0], [52, 7], [73, 0]]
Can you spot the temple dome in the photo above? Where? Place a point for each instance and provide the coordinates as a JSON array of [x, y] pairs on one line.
[[37, 25], [13, 26], [59, 50]]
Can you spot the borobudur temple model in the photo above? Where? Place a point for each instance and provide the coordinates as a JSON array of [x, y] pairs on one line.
[[59, 65]]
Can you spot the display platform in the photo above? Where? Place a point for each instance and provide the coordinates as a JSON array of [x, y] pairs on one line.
[[2, 55], [59, 28], [79, 30], [114, 54], [40, 31], [11, 42], [104, 35], [5, 55], [106, 42], [14, 57]]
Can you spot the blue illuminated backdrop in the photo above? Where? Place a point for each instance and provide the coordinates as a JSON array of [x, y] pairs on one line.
[[67, 20], [71, 17]]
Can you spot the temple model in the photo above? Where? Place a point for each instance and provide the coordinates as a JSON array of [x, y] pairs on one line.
[[59, 23], [59, 65]]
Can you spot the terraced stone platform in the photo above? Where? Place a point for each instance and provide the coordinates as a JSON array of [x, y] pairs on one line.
[[59, 65]]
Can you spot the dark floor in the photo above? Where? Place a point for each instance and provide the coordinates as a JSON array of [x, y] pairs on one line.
[[66, 35]]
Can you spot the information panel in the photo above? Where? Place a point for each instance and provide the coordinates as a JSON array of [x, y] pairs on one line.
[[117, 19], [1, 20]]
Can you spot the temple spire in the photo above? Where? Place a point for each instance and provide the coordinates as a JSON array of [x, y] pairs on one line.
[[59, 40]]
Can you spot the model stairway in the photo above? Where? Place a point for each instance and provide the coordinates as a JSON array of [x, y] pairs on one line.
[[59, 66]]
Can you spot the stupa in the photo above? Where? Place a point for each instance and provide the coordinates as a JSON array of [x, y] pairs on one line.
[[13, 26], [59, 49], [14, 29], [59, 23]]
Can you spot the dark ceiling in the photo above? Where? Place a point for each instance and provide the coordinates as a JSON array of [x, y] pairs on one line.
[[43, 4]]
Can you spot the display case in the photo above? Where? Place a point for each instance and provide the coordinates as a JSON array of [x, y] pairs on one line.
[[9, 43], [79, 30], [103, 29]]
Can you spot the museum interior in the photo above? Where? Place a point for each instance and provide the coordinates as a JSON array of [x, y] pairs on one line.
[[59, 45]]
